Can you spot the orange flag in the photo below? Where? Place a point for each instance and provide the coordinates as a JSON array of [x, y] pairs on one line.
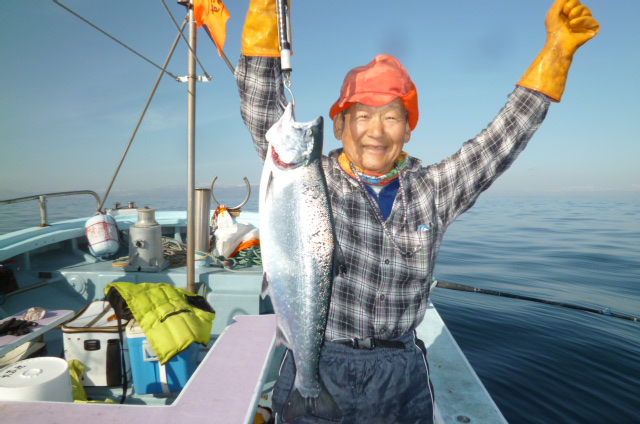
[[214, 15]]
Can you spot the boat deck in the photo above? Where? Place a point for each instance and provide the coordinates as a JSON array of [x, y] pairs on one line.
[[55, 271]]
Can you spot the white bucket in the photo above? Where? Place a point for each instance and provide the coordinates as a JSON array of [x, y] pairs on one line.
[[38, 379]]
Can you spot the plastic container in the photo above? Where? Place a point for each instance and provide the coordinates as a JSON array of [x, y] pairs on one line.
[[92, 338], [149, 376], [102, 233], [43, 379]]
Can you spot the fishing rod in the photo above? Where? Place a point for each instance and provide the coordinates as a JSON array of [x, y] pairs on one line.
[[462, 287]]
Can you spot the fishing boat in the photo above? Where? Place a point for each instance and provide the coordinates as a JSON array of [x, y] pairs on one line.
[[53, 266], [55, 271]]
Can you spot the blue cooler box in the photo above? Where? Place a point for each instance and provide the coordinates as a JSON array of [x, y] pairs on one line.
[[149, 376]]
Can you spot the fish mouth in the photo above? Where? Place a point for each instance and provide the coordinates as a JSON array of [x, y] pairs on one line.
[[279, 162]]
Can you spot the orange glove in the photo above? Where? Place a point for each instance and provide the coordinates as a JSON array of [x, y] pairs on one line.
[[569, 25], [260, 34]]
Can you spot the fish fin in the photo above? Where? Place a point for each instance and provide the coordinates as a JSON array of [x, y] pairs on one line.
[[268, 189], [339, 262], [282, 338], [323, 407], [265, 286]]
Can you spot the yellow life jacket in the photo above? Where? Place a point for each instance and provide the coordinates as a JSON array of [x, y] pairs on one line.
[[171, 318]]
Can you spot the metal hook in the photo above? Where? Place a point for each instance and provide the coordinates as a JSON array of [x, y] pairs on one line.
[[238, 208], [287, 85]]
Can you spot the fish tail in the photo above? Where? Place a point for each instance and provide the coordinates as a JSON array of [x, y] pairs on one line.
[[323, 406]]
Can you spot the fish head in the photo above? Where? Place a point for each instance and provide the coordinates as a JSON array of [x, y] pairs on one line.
[[293, 143]]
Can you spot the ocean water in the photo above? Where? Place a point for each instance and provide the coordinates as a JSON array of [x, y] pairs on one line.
[[545, 364], [542, 364]]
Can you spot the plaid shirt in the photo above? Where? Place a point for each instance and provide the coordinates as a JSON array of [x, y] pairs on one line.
[[384, 294]]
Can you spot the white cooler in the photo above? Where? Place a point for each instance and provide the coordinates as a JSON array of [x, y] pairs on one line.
[[92, 338]]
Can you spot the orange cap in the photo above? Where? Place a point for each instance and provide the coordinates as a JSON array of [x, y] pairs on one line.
[[381, 81]]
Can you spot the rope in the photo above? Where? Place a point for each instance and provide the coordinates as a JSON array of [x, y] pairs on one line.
[[174, 250], [248, 257], [245, 258]]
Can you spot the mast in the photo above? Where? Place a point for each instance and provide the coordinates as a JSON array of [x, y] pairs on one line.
[[191, 148]]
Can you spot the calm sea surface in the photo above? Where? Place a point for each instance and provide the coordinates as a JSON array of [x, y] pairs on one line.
[[542, 364]]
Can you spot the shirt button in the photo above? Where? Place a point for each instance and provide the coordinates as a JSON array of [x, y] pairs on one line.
[[382, 297], [387, 261], [383, 330]]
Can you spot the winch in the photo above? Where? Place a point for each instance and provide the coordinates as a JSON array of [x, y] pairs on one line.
[[145, 243]]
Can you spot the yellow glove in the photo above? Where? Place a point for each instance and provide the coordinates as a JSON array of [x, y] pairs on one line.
[[260, 34], [569, 25]]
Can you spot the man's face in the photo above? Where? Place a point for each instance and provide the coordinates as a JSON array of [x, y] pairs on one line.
[[373, 137]]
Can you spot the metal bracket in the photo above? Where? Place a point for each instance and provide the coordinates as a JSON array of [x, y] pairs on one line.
[[236, 209], [198, 79]]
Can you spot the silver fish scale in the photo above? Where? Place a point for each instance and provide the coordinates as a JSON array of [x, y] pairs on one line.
[[297, 248]]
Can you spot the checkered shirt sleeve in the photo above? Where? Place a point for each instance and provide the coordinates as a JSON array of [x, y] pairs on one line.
[[460, 178], [262, 98]]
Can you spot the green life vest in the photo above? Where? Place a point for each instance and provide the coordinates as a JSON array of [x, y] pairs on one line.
[[171, 318]]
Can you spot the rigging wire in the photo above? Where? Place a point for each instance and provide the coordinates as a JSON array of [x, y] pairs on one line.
[[144, 111], [163, 69], [185, 39], [224, 56]]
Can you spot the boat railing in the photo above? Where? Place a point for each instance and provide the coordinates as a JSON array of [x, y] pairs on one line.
[[42, 199]]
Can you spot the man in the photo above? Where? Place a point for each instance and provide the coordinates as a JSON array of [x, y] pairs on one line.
[[390, 212]]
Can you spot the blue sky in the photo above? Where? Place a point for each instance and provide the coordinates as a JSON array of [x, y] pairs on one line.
[[70, 97]]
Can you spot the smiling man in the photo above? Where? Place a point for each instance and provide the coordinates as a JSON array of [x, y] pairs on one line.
[[375, 114], [390, 212]]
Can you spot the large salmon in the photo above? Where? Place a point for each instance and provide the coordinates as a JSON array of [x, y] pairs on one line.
[[297, 243]]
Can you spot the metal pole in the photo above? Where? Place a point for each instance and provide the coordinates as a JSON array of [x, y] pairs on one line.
[[43, 211], [191, 129], [203, 212]]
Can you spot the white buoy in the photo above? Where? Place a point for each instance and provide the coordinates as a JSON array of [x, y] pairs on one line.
[[102, 233]]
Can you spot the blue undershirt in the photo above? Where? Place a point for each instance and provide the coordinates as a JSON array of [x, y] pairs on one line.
[[386, 196]]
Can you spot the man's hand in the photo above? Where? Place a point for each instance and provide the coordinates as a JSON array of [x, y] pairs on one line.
[[571, 22], [569, 25]]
